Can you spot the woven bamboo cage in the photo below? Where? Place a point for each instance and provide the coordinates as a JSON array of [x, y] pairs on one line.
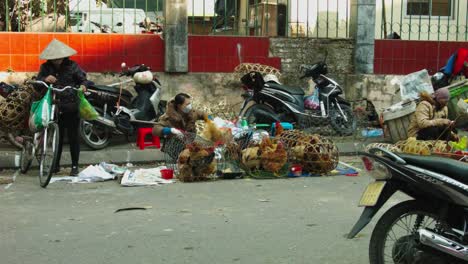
[[192, 158], [316, 154], [423, 147], [245, 68], [14, 110]]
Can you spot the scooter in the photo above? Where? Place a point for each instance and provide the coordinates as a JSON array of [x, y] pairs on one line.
[[268, 101], [120, 112], [430, 228]]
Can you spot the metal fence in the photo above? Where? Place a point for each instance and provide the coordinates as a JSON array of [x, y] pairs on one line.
[[444, 20], [287, 18], [90, 16]]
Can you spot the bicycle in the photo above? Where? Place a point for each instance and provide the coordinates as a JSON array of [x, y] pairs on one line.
[[44, 144]]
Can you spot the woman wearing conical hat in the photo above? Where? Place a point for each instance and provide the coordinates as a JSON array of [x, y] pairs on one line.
[[60, 71]]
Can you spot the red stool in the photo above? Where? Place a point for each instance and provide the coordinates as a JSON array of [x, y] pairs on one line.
[[142, 133]]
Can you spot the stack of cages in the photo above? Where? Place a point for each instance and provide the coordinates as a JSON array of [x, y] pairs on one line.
[[192, 157]]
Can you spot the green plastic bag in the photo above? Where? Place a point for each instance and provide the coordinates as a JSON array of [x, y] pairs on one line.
[[87, 111], [40, 112]]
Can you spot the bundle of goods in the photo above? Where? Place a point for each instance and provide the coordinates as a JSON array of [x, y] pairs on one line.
[[316, 154], [245, 68], [454, 150], [14, 110], [459, 150], [414, 146], [423, 147], [266, 159]]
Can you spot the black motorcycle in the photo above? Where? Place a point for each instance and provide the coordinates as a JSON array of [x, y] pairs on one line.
[[270, 101], [120, 112], [431, 228]]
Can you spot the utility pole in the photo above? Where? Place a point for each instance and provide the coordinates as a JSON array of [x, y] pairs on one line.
[[176, 36], [362, 29]]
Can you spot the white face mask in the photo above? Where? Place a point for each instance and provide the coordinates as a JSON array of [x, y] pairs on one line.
[[187, 109]]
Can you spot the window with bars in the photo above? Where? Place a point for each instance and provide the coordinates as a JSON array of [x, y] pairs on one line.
[[429, 8]]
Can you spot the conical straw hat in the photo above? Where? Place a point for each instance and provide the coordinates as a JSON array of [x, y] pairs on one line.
[[56, 50]]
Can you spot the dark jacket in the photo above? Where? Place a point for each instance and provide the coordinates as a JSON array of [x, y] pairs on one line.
[[175, 119], [69, 73]]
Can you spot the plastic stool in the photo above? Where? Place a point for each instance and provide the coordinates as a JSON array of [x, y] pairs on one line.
[[142, 133]]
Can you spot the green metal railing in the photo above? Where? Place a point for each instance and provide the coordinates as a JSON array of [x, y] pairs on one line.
[[423, 20], [288, 18]]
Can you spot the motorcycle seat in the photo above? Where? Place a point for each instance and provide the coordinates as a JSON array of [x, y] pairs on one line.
[[454, 169], [288, 89], [111, 89]]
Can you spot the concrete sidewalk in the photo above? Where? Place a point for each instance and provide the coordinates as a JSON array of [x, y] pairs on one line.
[[122, 153]]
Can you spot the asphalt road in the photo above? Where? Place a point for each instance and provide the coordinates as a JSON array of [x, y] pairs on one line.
[[301, 220]]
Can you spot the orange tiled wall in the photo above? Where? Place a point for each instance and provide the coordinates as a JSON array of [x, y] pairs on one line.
[[105, 52], [96, 52]]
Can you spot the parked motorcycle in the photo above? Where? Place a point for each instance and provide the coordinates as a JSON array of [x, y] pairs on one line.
[[431, 228], [120, 112], [268, 101]]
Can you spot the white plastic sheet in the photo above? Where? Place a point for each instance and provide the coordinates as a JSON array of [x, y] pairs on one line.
[[144, 177], [414, 83]]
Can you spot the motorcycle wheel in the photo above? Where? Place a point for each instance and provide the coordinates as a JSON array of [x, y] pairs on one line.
[[95, 136], [339, 124], [394, 239], [260, 114]]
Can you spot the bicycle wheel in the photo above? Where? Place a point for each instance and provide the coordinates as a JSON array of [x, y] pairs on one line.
[[49, 154], [27, 154]]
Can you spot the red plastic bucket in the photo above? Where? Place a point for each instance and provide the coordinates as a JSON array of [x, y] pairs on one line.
[[167, 174]]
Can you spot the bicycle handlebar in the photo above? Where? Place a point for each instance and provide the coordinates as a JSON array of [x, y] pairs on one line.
[[55, 89]]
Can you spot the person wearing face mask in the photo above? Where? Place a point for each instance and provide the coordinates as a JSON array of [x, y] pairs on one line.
[[179, 118], [430, 121], [60, 71]]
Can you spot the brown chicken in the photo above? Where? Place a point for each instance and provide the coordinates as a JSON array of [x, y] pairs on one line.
[[195, 163], [211, 132], [274, 158], [278, 129], [251, 158]]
